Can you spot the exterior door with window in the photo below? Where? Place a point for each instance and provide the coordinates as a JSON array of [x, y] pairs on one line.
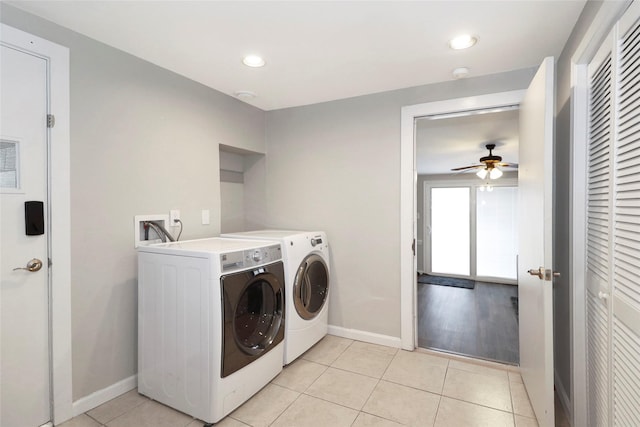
[[24, 293]]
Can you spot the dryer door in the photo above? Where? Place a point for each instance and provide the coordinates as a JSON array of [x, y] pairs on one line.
[[253, 315], [311, 287]]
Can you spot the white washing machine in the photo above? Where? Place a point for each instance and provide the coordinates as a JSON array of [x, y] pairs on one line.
[[306, 260], [210, 323]]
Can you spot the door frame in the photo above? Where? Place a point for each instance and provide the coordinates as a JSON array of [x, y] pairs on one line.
[[58, 214], [408, 193], [602, 24]]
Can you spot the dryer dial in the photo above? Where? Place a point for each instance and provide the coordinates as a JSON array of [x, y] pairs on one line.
[[257, 256]]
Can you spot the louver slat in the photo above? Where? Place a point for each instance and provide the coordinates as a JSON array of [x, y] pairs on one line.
[[626, 377], [597, 361], [626, 252], [598, 230], [598, 171]]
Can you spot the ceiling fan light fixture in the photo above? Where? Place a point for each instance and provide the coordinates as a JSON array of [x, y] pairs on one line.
[[495, 173], [482, 173]]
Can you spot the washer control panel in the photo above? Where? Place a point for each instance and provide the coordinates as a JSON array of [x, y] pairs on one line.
[[250, 257]]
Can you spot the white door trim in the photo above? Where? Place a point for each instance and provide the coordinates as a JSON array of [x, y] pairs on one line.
[[607, 16], [59, 214], [408, 191]]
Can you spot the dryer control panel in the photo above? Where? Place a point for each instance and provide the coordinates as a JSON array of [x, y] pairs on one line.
[[250, 257]]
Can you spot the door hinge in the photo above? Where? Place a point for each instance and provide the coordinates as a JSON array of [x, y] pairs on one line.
[[413, 247], [51, 120], [49, 262]]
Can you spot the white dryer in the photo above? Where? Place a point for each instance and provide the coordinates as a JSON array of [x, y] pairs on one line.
[[306, 260], [210, 323]]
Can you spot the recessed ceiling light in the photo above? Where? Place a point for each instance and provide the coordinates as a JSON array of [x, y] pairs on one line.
[[245, 94], [463, 41], [253, 61]]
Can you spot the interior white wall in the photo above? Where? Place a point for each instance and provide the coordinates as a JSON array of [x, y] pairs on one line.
[[336, 166], [143, 141]]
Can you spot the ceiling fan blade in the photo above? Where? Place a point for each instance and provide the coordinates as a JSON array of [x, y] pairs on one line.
[[508, 165], [468, 167]]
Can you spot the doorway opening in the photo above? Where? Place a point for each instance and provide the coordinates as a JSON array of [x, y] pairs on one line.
[[467, 228]]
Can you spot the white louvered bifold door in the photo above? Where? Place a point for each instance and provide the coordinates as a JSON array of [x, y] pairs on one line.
[[599, 205], [613, 228], [626, 253]]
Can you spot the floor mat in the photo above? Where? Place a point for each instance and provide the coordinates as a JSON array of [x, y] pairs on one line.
[[446, 281]]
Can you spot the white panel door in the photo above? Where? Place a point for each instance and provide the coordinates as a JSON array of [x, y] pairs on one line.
[[535, 181], [24, 329]]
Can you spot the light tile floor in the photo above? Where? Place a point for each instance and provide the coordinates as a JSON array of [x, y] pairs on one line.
[[341, 382]]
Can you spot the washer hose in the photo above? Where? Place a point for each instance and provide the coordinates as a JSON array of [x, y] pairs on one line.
[[160, 231]]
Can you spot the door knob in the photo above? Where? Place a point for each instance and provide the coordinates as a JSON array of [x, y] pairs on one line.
[[539, 272], [603, 295], [34, 265]]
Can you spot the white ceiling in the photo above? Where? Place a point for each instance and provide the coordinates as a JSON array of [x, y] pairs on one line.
[[319, 51], [444, 144]]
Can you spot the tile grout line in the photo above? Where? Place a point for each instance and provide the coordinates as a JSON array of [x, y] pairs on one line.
[[513, 407], [378, 381], [374, 389], [446, 372], [304, 392]]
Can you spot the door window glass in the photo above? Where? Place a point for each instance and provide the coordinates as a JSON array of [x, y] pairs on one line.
[[9, 177], [497, 232], [450, 230]]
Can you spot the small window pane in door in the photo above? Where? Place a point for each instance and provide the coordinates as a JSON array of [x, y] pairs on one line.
[[497, 232], [450, 231], [8, 164]]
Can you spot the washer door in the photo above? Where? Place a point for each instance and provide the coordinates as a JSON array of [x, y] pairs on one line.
[[311, 287], [258, 314], [253, 315]]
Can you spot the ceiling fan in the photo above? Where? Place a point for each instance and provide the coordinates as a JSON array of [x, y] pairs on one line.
[[489, 165]]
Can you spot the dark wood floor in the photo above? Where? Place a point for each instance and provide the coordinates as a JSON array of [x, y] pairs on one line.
[[480, 322]]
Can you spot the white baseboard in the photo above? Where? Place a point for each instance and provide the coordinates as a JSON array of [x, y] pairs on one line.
[[564, 398], [99, 397], [365, 336]]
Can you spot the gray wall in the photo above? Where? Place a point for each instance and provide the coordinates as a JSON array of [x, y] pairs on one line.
[[143, 141], [562, 290], [336, 166]]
